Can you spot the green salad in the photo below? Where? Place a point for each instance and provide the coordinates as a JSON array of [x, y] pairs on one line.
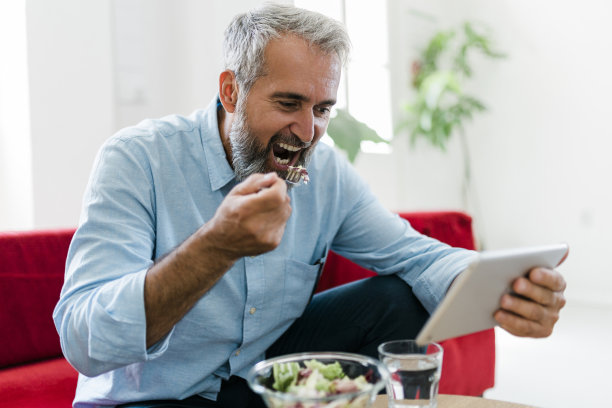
[[315, 380]]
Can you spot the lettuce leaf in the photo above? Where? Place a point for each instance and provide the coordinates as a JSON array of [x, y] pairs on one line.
[[285, 375], [329, 371]]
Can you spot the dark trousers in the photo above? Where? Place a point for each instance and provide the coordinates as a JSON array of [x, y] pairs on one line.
[[353, 318]]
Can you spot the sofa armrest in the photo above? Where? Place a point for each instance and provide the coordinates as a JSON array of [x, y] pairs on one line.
[[31, 279]]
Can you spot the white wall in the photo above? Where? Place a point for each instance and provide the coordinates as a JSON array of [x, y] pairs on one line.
[[555, 133], [71, 101], [94, 67], [16, 205], [168, 55], [541, 153]]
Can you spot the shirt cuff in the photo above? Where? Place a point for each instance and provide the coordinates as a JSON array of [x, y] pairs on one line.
[[430, 288], [119, 332]]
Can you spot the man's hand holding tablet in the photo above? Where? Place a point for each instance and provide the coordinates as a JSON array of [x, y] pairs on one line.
[[536, 310], [517, 289]]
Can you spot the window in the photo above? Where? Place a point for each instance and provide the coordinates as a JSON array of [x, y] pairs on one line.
[[365, 90]]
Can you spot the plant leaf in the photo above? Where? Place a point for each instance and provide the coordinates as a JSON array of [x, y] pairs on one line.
[[348, 133], [436, 84], [440, 106]]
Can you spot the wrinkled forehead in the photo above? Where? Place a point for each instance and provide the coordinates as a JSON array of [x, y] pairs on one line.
[[290, 45], [300, 66]]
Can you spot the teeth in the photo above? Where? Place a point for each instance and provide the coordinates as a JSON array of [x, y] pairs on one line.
[[281, 161], [289, 147]]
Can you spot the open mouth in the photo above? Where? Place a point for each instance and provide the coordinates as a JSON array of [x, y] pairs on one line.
[[285, 154]]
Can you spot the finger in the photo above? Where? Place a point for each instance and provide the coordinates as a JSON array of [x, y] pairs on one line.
[[524, 308], [548, 278], [539, 294], [276, 186], [529, 290], [272, 197], [255, 183], [521, 327]]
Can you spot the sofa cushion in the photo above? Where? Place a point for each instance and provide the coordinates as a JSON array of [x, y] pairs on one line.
[[45, 384], [31, 276]]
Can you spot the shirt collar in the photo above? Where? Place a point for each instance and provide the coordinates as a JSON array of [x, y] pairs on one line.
[[220, 172]]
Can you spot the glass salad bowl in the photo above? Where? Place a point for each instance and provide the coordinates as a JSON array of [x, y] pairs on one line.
[[318, 380]]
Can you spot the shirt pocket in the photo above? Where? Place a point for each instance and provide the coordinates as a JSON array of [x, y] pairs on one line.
[[300, 281]]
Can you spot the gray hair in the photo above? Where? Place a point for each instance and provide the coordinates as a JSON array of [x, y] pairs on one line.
[[248, 35]]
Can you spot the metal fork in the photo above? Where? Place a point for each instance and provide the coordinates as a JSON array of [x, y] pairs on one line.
[[296, 175]]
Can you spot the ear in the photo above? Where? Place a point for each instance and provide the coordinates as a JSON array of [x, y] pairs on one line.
[[228, 90]]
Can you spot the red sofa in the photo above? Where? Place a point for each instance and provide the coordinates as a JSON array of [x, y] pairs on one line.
[[33, 373]]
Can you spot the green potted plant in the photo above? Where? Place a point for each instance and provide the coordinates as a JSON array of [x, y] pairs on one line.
[[441, 106]]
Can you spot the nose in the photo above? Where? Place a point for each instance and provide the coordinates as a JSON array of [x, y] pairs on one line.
[[304, 126]]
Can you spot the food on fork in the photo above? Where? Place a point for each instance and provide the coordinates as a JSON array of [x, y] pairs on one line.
[[298, 174]]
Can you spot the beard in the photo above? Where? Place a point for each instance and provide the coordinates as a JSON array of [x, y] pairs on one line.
[[249, 156]]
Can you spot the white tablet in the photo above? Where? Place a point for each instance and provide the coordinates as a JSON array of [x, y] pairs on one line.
[[472, 300]]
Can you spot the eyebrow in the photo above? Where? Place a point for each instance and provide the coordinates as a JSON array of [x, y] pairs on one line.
[[300, 97]]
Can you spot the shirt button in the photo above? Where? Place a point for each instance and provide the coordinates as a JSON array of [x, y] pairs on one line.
[[252, 310], [237, 353]]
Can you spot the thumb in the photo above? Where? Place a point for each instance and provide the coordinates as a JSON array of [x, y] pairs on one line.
[[255, 183]]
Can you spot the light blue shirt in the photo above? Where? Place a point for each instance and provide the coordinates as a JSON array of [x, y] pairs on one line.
[[155, 184]]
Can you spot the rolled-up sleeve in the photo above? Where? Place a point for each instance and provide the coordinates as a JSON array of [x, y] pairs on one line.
[[380, 240], [100, 316]]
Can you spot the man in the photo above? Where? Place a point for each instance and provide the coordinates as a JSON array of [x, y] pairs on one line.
[[193, 259]]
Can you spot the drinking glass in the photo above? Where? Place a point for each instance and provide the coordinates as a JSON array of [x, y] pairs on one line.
[[415, 373]]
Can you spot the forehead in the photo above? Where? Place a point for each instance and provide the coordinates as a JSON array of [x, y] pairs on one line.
[[293, 65]]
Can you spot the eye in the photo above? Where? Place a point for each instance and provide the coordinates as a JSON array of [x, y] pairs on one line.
[[288, 105], [323, 110]]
